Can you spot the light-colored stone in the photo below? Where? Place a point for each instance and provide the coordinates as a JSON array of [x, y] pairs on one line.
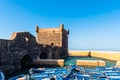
[[60, 62], [118, 63], [78, 53], [90, 63], [53, 36], [109, 55]]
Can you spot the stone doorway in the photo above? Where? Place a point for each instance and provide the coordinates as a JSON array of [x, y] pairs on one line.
[[26, 62], [43, 55]]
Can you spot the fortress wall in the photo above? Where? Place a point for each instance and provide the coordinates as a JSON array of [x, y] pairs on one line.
[[50, 62], [78, 53], [12, 37], [3, 43], [90, 63], [12, 51], [110, 55], [22, 48], [5, 56]]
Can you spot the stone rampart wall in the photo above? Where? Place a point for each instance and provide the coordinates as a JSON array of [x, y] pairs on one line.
[[12, 51], [78, 53], [110, 55], [50, 62], [90, 63], [22, 47]]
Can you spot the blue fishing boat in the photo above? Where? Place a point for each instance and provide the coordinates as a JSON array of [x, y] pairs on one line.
[[2, 77], [72, 72], [19, 77]]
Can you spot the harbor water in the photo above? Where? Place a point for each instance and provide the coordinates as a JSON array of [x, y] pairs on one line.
[[72, 60]]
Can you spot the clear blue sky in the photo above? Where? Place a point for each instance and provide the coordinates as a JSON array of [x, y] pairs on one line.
[[93, 24]]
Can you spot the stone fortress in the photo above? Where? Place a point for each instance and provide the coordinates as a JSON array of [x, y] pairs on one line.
[[23, 48]]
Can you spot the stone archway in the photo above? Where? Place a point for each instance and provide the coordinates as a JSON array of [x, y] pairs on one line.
[[26, 61], [43, 55]]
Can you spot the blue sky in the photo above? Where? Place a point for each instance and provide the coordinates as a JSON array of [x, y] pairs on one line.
[[93, 24]]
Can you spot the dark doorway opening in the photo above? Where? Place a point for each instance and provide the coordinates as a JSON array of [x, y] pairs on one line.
[[43, 55], [26, 62]]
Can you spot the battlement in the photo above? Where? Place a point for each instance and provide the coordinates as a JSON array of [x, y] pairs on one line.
[[60, 29], [53, 36]]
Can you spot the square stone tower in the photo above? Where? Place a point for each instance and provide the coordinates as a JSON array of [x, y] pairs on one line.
[[57, 37]]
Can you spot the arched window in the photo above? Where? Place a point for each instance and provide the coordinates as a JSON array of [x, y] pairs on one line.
[[52, 44], [26, 61], [43, 55]]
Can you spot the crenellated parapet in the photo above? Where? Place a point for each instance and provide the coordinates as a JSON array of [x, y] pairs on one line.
[[56, 36]]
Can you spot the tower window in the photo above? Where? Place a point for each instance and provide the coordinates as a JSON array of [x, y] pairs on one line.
[[52, 44]]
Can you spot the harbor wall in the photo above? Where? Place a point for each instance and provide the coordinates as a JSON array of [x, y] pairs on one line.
[[109, 55], [90, 63], [78, 53], [49, 62]]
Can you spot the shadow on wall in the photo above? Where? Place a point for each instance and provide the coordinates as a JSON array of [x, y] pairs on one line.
[[26, 62], [49, 63], [43, 55]]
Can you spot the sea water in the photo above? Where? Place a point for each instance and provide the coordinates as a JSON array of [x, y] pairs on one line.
[[72, 60]]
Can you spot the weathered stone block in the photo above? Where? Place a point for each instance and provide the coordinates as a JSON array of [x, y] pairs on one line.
[[90, 63]]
